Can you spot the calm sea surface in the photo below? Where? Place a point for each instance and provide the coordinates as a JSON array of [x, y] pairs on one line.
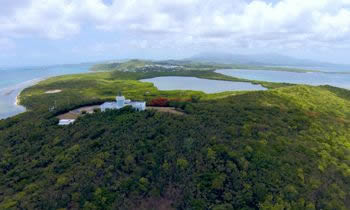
[[14, 80], [309, 78], [205, 85]]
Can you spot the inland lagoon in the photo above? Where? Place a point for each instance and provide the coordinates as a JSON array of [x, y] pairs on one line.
[[341, 80], [197, 84]]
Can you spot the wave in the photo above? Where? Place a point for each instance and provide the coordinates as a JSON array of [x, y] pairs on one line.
[[20, 86]]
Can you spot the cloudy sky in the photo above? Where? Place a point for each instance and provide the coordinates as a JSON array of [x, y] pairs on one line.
[[35, 32]]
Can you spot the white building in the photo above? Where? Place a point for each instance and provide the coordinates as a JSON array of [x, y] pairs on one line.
[[139, 106], [122, 102], [66, 121], [108, 105]]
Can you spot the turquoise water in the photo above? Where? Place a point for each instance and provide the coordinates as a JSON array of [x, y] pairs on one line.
[[14, 80], [205, 85], [309, 78]]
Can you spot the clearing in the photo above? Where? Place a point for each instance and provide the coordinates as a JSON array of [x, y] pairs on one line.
[[171, 110], [53, 91], [74, 114]]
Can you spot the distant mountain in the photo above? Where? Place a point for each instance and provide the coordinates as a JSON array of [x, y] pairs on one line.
[[263, 59]]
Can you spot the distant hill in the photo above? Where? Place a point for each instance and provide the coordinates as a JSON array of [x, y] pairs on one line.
[[120, 65], [264, 59]]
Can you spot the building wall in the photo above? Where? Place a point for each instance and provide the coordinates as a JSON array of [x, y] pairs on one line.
[[120, 101], [108, 105], [139, 106]]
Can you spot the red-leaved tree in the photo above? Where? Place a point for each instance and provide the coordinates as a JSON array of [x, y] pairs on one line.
[[161, 102]]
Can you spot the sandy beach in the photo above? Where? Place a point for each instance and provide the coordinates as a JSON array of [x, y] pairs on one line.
[[17, 99], [24, 85], [15, 80], [10, 100]]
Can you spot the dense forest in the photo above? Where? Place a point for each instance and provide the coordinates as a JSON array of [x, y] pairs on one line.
[[285, 148]]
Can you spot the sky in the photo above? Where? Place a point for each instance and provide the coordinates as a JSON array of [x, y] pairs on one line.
[[42, 32]]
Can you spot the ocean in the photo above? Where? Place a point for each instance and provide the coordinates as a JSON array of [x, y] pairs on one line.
[[14, 80]]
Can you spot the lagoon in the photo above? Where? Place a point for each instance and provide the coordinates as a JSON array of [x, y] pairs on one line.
[[197, 84], [341, 80]]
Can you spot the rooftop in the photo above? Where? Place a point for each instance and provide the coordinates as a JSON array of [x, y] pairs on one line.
[[66, 121]]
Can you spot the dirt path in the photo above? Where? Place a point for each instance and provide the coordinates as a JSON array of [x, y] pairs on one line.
[[171, 110], [74, 114]]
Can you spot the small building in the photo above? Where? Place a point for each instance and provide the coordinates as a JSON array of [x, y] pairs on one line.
[[139, 106], [108, 105], [66, 121], [121, 102]]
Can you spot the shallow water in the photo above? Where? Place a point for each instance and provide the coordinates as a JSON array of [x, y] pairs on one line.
[[7, 104], [309, 78], [205, 85], [14, 80]]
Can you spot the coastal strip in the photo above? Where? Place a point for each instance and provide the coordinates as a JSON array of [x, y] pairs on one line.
[[10, 100], [17, 99], [20, 87]]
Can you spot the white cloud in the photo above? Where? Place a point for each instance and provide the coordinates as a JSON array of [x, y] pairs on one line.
[[291, 23], [9, 6], [49, 18], [238, 22]]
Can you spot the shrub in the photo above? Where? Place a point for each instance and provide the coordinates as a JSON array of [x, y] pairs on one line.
[[160, 102]]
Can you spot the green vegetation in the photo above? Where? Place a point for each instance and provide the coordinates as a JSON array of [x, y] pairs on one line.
[[122, 66], [285, 148], [137, 65], [271, 68], [95, 88]]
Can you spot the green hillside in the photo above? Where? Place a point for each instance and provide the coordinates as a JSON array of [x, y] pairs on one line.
[[121, 66], [92, 88], [285, 148], [135, 65]]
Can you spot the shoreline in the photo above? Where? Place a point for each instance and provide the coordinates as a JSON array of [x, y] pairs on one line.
[[18, 88], [10, 94], [25, 85], [17, 99], [12, 101]]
